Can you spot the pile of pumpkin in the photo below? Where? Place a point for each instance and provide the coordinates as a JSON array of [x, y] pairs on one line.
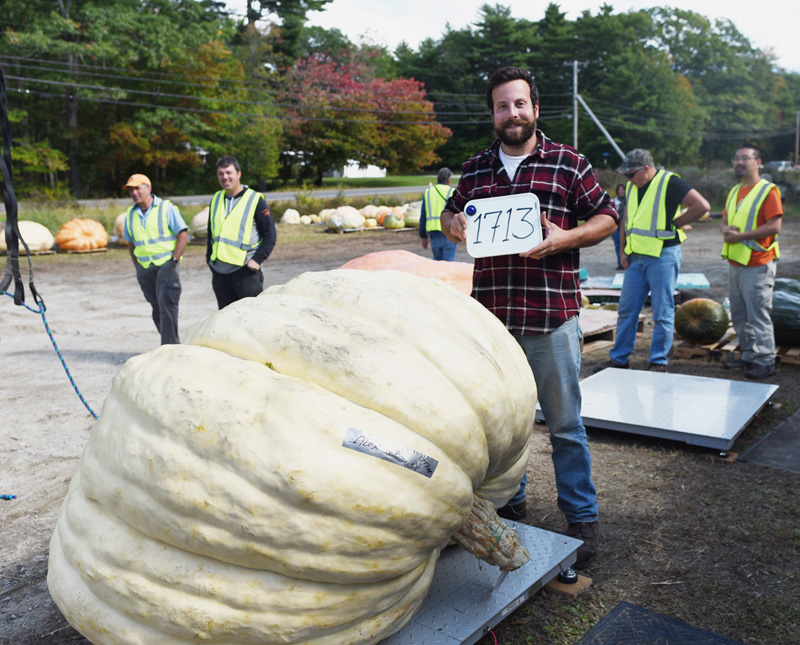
[[346, 218], [277, 479], [78, 234]]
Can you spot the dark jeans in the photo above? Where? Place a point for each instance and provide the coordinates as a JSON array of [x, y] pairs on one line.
[[161, 286], [230, 287]]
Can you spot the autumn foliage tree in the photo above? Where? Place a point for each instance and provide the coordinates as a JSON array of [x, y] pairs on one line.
[[339, 111]]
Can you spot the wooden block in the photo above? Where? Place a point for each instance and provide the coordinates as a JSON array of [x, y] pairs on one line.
[[571, 590], [789, 355]]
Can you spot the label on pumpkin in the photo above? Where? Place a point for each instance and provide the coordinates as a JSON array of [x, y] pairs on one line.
[[391, 452]]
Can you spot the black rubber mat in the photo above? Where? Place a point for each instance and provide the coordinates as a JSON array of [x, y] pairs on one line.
[[780, 448], [629, 624]]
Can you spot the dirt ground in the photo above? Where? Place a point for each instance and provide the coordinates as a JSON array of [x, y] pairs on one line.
[[685, 533]]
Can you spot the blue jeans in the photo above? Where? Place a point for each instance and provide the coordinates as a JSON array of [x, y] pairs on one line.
[[658, 277], [555, 359], [615, 237], [443, 249]]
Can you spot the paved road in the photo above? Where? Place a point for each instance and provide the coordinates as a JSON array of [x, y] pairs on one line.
[[283, 196]]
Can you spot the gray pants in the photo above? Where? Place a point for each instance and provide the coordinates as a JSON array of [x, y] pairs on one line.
[[161, 286], [751, 304]]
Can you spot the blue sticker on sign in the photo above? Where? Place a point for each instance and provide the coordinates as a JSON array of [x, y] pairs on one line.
[[391, 452]]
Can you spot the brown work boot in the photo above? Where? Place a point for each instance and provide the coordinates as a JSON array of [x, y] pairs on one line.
[[589, 532]]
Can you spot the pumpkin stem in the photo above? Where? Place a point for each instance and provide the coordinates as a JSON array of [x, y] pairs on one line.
[[488, 538]]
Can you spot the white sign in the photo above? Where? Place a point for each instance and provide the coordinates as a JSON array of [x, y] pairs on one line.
[[503, 225]]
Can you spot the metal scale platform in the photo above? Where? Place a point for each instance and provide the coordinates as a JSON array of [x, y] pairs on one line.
[[461, 607], [697, 410]]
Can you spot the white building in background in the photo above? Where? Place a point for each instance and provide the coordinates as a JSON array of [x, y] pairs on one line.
[[353, 170]]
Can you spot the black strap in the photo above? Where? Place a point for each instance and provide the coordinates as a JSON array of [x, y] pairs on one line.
[[13, 236]]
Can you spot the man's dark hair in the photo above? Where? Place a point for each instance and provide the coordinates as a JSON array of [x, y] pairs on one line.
[[224, 162], [756, 150], [506, 74], [443, 176]]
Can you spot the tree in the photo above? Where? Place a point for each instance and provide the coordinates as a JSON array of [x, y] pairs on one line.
[[339, 111]]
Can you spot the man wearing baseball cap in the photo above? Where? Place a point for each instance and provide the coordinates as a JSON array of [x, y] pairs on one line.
[[156, 236], [650, 239]]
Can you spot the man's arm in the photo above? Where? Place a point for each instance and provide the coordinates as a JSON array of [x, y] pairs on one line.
[[696, 206], [180, 244], [732, 235], [269, 235], [423, 227]]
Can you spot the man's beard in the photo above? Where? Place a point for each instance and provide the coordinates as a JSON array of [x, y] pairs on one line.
[[739, 171], [517, 138]]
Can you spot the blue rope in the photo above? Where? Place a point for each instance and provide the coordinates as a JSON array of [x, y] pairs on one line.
[[41, 311]]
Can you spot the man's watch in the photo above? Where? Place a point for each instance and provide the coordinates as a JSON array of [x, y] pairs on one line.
[[175, 260]]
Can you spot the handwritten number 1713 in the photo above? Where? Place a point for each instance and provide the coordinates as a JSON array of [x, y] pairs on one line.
[[503, 220]]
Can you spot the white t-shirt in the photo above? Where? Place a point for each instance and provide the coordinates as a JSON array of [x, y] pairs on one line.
[[511, 163]]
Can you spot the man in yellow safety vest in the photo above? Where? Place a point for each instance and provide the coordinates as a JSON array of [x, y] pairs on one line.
[[156, 236], [651, 238], [241, 236], [430, 227], [750, 225]]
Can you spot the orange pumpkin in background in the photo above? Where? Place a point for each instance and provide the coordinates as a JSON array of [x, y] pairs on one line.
[[82, 234], [456, 274]]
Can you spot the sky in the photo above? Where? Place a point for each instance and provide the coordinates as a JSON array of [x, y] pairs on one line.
[[774, 26]]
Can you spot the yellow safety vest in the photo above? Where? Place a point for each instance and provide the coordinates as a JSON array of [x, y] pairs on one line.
[[744, 216], [434, 205], [231, 233], [646, 221], [154, 242]]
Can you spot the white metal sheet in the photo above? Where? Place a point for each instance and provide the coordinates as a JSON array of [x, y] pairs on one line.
[[460, 607], [697, 410]]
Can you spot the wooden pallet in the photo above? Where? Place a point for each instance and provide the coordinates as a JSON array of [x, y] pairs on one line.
[[727, 349], [721, 350], [82, 251], [23, 254], [599, 327]]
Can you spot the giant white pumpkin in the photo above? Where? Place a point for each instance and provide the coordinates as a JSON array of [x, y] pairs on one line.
[[199, 226], [36, 236], [344, 218], [291, 473]]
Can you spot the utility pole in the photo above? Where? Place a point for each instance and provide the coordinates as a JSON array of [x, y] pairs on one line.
[[797, 139], [575, 104], [577, 98]]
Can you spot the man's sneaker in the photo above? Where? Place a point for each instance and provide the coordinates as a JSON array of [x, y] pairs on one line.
[[657, 367], [513, 511], [738, 364], [610, 363], [759, 372], [589, 532]]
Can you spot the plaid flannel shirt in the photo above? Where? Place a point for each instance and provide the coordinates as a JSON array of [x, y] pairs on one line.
[[534, 296]]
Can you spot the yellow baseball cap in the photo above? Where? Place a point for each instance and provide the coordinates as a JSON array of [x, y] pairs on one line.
[[134, 181]]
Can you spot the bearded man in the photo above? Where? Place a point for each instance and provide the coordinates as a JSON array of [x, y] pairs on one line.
[[536, 293]]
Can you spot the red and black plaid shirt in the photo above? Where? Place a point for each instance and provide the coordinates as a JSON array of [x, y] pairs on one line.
[[534, 296]]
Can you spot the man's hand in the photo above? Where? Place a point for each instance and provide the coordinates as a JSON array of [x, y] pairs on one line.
[[731, 234], [624, 261], [425, 243], [555, 240], [458, 227], [252, 265]]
